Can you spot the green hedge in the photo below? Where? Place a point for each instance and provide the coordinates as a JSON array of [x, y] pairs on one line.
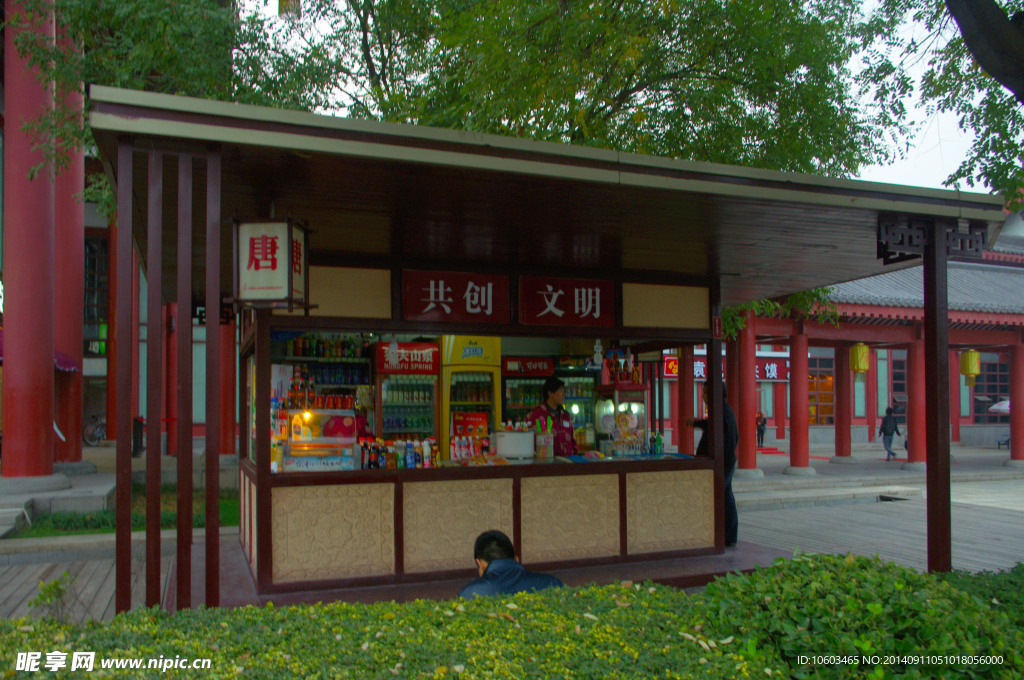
[[753, 626]]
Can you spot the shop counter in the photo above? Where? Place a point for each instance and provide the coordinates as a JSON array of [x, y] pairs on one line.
[[362, 527]]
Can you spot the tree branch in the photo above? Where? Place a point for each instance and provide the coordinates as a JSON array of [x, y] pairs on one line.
[[996, 43]]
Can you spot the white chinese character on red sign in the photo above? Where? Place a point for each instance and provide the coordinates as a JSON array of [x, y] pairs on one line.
[[757, 371], [440, 295], [698, 369], [296, 257], [262, 252], [550, 300], [478, 298], [588, 302], [771, 371]]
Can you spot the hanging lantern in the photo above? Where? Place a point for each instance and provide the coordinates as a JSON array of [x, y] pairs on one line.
[[859, 361], [970, 365]]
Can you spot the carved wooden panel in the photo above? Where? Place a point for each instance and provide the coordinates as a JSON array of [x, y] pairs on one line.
[[565, 518], [325, 532], [441, 520], [670, 510]]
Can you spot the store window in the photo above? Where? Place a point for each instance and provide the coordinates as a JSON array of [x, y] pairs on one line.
[[820, 390], [991, 386]]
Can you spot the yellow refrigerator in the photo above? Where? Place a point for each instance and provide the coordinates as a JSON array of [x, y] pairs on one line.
[[470, 385]]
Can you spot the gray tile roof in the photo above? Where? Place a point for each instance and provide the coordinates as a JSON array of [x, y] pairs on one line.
[[972, 287]]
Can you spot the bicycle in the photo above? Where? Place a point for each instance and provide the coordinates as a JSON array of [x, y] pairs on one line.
[[95, 431]]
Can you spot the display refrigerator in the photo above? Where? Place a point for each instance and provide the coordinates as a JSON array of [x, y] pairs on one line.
[[522, 379], [406, 390], [621, 412], [581, 379], [470, 380]]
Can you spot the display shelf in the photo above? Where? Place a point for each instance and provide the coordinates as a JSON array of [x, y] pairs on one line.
[[407, 404], [331, 386], [471, 403], [414, 430], [326, 360]]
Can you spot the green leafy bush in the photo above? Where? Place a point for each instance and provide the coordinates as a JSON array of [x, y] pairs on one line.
[[829, 605], [1003, 591]]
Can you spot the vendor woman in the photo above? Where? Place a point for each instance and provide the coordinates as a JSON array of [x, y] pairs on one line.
[[552, 410]]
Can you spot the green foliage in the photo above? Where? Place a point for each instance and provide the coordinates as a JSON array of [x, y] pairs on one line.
[[56, 598], [743, 626], [1002, 591], [953, 82], [820, 604], [815, 304]]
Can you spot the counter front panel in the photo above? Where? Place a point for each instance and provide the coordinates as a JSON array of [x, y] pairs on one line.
[[670, 510], [569, 518]]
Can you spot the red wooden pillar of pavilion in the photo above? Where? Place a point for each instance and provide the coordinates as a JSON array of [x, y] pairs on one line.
[[28, 267], [915, 406], [746, 350], [954, 395], [1017, 414], [871, 395], [779, 405], [843, 407], [228, 388], [171, 369], [799, 409], [732, 374], [684, 432]]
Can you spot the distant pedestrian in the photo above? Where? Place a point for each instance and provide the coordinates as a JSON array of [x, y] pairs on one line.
[[762, 425], [500, 570], [887, 429]]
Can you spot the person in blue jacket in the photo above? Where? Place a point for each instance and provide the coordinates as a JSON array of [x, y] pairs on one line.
[[500, 570]]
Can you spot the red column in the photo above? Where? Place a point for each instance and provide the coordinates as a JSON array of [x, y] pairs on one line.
[[799, 413], [28, 265], [1017, 413], [228, 389], [684, 433], [779, 394], [843, 410], [871, 395], [171, 395], [136, 320], [732, 373], [954, 395], [747, 350], [112, 332], [915, 403]]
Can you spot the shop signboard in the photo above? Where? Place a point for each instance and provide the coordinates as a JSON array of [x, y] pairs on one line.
[[766, 369], [271, 265], [408, 358], [527, 366], [547, 301], [455, 296]]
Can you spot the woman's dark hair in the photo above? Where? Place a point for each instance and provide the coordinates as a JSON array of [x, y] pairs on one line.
[[493, 545], [551, 385], [888, 411]]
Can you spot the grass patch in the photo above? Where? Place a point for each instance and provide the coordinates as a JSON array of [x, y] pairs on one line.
[[72, 523], [744, 626]]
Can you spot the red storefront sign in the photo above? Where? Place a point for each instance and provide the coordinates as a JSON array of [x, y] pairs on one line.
[[527, 366], [455, 296], [766, 369], [566, 302], [410, 358]]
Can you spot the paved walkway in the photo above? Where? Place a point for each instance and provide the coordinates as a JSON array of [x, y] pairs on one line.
[[987, 511]]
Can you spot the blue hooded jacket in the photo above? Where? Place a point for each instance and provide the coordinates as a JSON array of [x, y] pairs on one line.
[[508, 576]]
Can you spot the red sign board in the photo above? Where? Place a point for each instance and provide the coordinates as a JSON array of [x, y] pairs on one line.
[[566, 302], [419, 358], [766, 369], [716, 327], [455, 296], [527, 366], [469, 424]]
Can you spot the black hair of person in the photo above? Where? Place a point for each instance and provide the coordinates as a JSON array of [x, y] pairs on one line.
[[551, 385], [493, 545]]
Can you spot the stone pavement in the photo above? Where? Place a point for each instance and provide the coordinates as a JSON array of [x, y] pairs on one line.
[[834, 510]]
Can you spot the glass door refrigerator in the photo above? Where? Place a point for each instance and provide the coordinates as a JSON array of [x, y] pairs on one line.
[[470, 403], [522, 379], [407, 390], [581, 376]]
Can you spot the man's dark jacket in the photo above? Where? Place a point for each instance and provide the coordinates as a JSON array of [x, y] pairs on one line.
[[508, 576], [732, 437]]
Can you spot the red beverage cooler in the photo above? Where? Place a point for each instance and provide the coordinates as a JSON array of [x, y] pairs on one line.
[[522, 379], [406, 390]]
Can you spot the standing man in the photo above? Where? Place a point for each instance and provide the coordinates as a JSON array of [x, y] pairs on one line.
[[732, 439], [887, 429]]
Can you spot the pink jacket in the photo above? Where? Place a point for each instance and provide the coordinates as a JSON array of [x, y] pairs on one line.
[[561, 425]]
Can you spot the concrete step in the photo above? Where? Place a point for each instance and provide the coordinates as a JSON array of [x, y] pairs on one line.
[[13, 518], [774, 499]]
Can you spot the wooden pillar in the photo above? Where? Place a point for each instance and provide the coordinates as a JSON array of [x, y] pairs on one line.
[[123, 486], [183, 324], [843, 407], [684, 432], [112, 328], [916, 405], [732, 373], [136, 333], [779, 394], [716, 426], [154, 368], [954, 395], [871, 395], [228, 388], [28, 263], [746, 346], [1016, 413], [170, 396], [215, 392], [799, 411], [936, 351]]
